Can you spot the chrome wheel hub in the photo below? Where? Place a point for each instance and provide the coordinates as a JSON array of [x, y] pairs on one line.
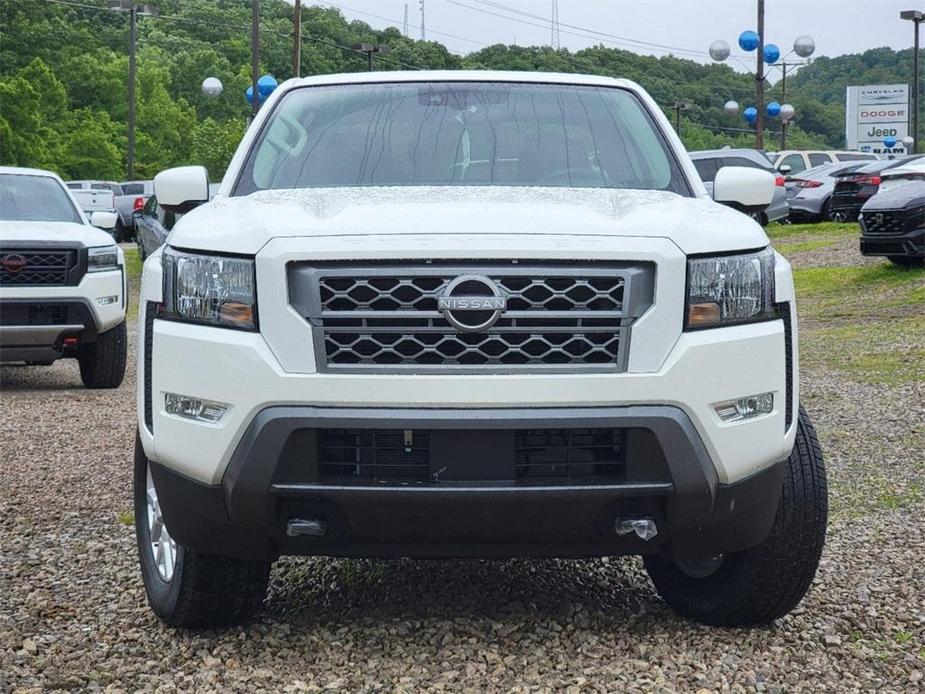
[[163, 548]]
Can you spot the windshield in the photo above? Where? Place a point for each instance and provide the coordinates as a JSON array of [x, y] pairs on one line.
[[460, 133], [28, 198]]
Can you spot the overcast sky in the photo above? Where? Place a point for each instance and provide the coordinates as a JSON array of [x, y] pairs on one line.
[[838, 26]]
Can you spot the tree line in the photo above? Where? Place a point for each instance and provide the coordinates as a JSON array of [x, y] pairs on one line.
[[63, 81]]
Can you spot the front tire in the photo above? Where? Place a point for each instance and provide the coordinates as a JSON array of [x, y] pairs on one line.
[[761, 584], [185, 588], [102, 363]]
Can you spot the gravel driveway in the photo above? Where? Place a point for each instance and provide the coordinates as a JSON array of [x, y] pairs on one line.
[[73, 612]]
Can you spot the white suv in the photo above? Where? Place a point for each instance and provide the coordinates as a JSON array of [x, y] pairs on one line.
[[471, 314], [62, 281]]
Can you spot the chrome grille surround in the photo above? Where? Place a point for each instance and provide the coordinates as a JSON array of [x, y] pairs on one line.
[[384, 318]]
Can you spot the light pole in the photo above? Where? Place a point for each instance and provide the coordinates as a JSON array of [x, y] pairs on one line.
[[134, 11], [916, 17], [369, 49], [767, 54], [255, 55], [297, 38]]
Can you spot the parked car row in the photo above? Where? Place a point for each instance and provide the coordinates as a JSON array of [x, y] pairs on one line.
[[793, 161], [122, 198]]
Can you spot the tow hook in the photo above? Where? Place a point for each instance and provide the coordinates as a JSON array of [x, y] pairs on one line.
[[643, 527]]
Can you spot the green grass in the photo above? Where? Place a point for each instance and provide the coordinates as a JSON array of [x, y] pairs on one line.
[[126, 517], [133, 271], [815, 281], [831, 229]]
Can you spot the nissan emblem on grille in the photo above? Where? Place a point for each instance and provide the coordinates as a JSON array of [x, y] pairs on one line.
[[472, 303], [13, 263]]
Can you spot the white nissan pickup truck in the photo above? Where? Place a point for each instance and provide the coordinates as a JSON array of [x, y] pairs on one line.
[[62, 281], [471, 314]]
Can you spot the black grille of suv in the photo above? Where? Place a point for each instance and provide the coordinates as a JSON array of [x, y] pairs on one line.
[[36, 267], [549, 456], [893, 222], [390, 318]]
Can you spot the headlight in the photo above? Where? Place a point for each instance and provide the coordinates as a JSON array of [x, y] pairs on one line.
[[209, 289], [102, 258], [728, 290]]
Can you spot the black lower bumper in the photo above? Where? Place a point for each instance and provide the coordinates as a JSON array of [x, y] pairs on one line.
[[39, 329], [908, 245], [273, 478]]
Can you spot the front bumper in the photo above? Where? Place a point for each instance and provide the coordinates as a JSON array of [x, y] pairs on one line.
[[37, 329], [908, 245], [273, 478]]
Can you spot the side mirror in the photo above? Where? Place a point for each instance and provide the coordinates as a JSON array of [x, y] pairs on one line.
[[742, 188], [784, 168], [104, 220], [182, 188]]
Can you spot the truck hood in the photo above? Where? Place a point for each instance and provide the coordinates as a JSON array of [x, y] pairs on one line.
[[53, 232], [244, 224]]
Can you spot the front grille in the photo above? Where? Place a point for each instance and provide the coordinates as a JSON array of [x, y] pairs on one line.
[[36, 267], [893, 222], [540, 456], [390, 318]]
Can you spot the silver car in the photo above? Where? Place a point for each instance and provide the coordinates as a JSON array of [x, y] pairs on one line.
[[709, 161], [809, 191]]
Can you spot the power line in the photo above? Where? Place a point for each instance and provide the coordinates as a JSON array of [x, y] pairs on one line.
[[241, 27], [572, 29], [404, 22]]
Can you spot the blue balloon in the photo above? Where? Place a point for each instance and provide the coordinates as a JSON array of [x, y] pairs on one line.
[[771, 54], [266, 85], [748, 40], [889, 141], [249, 95], [773, 109], [751, 114]]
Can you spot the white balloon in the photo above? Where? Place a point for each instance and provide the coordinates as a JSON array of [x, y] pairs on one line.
[[719, 50], [786, 112], [212, 86], [908, 141], [804, 46], [731, 108]]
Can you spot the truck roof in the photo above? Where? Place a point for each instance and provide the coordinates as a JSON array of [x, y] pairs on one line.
[[460, 76], [24, 171]]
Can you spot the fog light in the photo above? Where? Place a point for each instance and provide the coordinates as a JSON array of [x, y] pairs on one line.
[[745, 408], [194, 408], [107, 300]]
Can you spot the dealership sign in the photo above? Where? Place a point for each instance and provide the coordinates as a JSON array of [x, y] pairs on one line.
[[874, 113]]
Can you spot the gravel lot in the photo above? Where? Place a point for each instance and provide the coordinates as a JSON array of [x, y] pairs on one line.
[[73, 613]]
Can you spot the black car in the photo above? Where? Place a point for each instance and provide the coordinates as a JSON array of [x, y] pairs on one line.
[[855, 189], [152, 225], [893, 225]]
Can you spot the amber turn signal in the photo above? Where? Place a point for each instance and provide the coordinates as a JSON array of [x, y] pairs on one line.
[[236, 313], [703, 314]]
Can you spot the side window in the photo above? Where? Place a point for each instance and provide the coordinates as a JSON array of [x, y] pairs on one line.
[[742, 161], [818, 159], [795, 162], [150, 207], [167, 219], [706, 168], [74, 186]]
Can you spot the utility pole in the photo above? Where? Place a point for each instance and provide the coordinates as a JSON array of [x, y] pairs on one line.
[[134, 11], [404, 25], [423, 34], [255, 54], [759, 81], [297, 38], [783, 99], [678, 107], [916, 17], [554, 24]]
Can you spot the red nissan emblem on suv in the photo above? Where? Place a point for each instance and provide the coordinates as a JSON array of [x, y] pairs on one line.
[[13, 263]]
